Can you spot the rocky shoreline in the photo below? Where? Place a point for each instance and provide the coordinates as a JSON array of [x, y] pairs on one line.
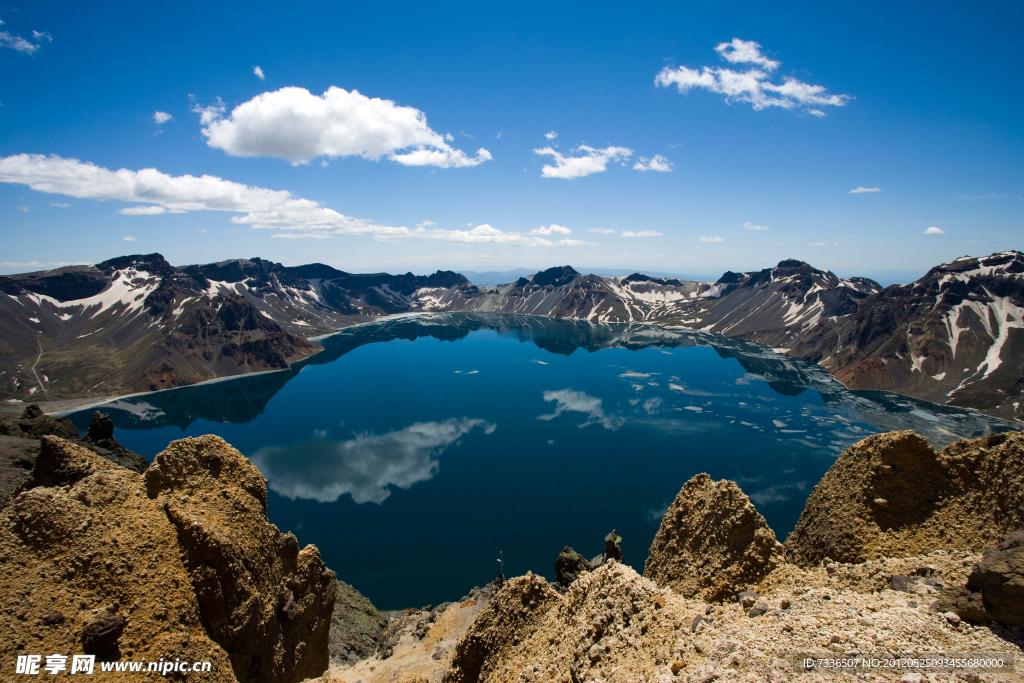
[[901, 551]]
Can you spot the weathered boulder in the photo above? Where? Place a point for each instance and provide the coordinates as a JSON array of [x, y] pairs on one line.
[[569, 565], [264, 600], [712, 543], [86, 537], [893, 495], [99, 437], [511, 617], [355, 626], [17, 458], [613, 547], [100, 632], [995, 587]]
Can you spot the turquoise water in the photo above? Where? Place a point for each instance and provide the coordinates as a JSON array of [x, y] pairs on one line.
[[412, 451]]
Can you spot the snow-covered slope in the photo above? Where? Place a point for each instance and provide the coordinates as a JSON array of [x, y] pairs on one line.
[[955, 336]]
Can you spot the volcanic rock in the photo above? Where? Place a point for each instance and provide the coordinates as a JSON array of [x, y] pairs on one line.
[[510, 619], [569, 565], [34, 423], [613, 547], [144, 568], [712, 543], [995, 587], [245, 572], [84, 536], [963, 498]]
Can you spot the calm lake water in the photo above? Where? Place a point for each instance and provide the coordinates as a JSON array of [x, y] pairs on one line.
[[413, 450]]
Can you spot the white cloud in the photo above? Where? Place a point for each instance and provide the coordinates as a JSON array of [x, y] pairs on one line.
[[208, 114], [641, 233], [364, 466], [652, 405], [601, 231], [62, 205], [160, 117], [815, 244], [129, 238], [934, 231], [20, 44], [425, 224], [298, 126], [260, 207], [23, 209], [745, 52], [859, 190], [658, 163], [551, 136], [152, 210], [551, 230], [752, 86], [592, 161], [39, 35], [711, 239], [754, 226], [485, 234], [569, 400], [259, 73]]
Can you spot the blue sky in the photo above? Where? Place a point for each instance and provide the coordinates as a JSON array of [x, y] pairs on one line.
[[921, 101]]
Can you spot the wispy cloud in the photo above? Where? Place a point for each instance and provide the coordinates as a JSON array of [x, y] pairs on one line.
[[590, 161], [61, 205], [601, 231], [570, 400], [259, 73], [711, 239], [425, 224], [142, 210], [658, 163], [298, 126], [551, 136], [641, 233], [752, 86], [815, 244], [485, 234], [161, 117], [129, 238], [860, 190], [550, 230], [23, 209], [934, 231], [754, 226], [19, 44]]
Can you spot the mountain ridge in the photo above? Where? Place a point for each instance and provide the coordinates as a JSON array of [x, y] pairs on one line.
[[137, 323]]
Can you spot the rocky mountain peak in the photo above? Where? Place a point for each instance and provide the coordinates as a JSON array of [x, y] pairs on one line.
[[555, 277]]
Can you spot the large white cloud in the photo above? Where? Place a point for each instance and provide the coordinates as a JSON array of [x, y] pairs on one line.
[[365, 466], [752, 86], [157, 193], [591, 161], [298, 126]]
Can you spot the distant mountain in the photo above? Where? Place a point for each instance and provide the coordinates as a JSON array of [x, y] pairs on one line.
[[955, 336], [136, 323]]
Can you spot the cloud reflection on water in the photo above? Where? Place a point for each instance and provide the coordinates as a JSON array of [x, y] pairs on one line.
[[365, 466], [570, 400]]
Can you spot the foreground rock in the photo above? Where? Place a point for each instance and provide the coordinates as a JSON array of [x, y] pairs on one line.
[[893, 495], [995, 588], [180, 564], [712, 543], [355, 626]]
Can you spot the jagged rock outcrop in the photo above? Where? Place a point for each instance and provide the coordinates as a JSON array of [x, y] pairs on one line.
[[97, 557], [893, 495], [87, 538], [20, 444], [712, 542], [995, 587], [267, 603], [355, 626], [569, 565], [34, 424], [510, 619]]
